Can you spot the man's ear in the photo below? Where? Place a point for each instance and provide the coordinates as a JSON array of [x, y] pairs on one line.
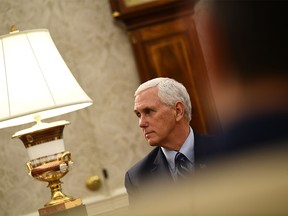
[[180, 110]]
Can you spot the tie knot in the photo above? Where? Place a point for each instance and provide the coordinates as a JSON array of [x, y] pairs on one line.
[[181, 158], [183, 165]]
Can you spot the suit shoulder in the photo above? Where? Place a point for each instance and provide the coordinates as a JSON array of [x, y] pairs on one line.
[[144, 164]]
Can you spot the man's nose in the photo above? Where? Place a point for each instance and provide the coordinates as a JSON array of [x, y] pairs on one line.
[[142, 122]]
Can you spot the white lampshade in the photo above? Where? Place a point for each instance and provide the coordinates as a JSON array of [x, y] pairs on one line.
[[34, 79]]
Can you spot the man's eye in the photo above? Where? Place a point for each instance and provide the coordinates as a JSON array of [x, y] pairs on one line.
[[138, 114], [144, 112]]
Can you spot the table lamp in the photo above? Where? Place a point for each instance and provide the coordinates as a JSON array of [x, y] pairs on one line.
[[36, 84]]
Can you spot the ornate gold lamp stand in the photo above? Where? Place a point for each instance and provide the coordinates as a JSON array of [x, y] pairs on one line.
[[49, 162]]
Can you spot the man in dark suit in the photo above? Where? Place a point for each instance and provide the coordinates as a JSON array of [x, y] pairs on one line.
[[164, 110]]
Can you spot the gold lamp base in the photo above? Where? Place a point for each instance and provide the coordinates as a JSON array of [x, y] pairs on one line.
[[71, 208], [49, 162]]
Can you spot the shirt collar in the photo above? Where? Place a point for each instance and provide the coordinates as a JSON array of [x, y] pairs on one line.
[[187, 149]]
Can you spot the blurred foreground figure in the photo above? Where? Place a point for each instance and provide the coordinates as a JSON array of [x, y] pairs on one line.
[[248, 46]]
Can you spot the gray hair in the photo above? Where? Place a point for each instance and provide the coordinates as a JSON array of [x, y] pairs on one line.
[[170, 92]]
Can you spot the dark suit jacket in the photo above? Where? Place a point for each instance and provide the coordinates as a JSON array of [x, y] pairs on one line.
[[153, 169]]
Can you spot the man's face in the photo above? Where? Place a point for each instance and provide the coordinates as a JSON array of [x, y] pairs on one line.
[[156, 119]]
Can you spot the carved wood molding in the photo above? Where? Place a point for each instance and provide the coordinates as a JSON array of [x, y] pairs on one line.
[[151, 12]]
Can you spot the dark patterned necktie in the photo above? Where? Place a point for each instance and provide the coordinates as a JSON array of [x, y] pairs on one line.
[[183, 166]]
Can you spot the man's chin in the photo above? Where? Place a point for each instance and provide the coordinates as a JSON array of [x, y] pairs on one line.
[[153, 144], [152, 141]]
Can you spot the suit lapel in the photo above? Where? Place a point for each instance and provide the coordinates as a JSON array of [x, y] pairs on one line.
[[160, 165]]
